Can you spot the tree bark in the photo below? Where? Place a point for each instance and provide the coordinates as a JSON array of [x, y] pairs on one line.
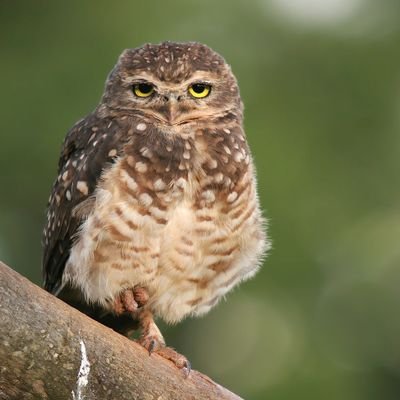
[[49, 350]]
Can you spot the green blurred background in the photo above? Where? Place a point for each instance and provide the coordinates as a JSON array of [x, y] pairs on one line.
[[321, 84]]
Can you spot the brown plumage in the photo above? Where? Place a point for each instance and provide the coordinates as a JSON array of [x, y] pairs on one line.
[[155, 210]]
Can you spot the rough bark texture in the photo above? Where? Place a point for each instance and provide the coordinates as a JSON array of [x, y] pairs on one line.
[[42, 346]]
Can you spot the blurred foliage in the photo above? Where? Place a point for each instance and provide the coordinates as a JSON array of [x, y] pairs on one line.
[[321, 84]]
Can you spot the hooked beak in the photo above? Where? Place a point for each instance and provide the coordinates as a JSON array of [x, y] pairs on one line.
[[171, 111]]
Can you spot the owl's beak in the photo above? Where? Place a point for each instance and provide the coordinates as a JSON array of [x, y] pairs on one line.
[[172, 111]]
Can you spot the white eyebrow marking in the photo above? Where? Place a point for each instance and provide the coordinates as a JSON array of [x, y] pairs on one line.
[[203, 76]]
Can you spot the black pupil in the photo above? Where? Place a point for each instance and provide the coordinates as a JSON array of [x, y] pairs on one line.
[[198, 88], [145, 88]]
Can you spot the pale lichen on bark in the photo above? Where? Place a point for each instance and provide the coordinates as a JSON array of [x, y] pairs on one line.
[[83, 374]]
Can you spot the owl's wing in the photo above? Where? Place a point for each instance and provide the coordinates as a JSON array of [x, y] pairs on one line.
[[89, 147]]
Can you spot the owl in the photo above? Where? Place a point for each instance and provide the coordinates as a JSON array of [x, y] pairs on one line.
[[154, 213]]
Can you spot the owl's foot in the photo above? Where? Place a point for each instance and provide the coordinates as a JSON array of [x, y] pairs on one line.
[[152, 340], [178, 359], [130, 300]]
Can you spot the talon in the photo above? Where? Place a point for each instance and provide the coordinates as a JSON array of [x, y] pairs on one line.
[[187, 368], [152, 346]]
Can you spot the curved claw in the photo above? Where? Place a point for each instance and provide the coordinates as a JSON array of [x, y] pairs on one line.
[[188, 368], [151, 346]]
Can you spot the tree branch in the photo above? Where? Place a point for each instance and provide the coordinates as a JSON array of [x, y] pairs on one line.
[[45, 344]]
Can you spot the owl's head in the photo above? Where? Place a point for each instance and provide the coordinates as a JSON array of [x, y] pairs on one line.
[[173, 84]]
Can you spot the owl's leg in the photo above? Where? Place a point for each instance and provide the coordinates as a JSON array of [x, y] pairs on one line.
[[151, 337], [152, 340]]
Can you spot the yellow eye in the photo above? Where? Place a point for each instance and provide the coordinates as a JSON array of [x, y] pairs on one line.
[[199, 90], [143, 89]]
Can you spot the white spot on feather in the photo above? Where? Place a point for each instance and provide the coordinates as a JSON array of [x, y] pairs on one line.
[[146, 152], [131, 161], [140, 167], [82, 187], [219, 177], [145, 199], [181, 183], [208, 196], [159, 184], [238, 156], [141, 127], [128, 180], [227, 150], [212, 164], [232, 197]]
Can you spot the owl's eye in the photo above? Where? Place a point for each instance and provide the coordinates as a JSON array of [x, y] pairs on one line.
[[199, 90], [143, 89]]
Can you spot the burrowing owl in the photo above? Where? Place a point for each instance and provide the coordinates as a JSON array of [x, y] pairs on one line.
[[154, 212]]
